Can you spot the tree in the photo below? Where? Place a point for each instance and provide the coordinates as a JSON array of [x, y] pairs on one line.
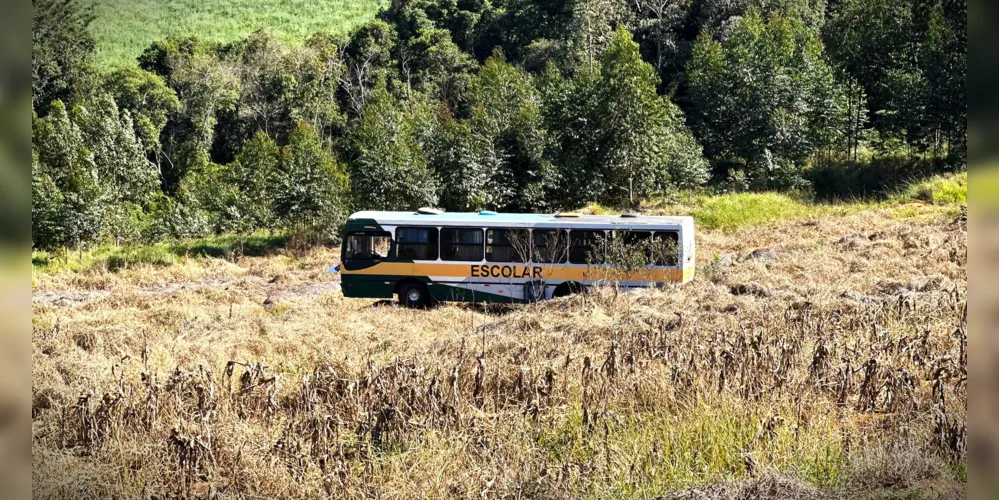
[[868, 40], [61, 51], [205, 87], [462, 162], [658, 28], [506, 122], [763, 98], [528, 29], [570, 108], [164, 57], [618, 140], [321, 69], [311, 187], [268, 84], [389, 170], [910, 59], [944, 62], [592, 27], [368, 59], [255, 175], [209, 202], [69, 198], [645, 138], [432, 63], [117, 153], [715, 15], [147, 98], [48, 209], [461, 20]]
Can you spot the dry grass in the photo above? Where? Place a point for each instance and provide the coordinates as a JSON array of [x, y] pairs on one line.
[[816, 357]]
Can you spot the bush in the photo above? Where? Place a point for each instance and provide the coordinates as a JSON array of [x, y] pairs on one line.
[[939, 190], [879, 178], [115, 258]]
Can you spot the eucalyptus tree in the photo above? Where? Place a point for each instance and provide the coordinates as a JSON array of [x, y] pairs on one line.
[[312, 186], [910, 59], [433, 64], [368, 59], [388, 166], [147, 98], [617, 139], [764, 98], [69, 199], [505, 117]]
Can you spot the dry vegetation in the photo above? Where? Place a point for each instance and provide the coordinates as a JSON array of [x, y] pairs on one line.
[[812, 357]]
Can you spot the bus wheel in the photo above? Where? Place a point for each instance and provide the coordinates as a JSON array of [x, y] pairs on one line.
[[413, 295], [566, 289]]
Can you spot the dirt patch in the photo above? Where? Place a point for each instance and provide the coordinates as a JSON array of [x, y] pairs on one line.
[[170, 288], [272, 288], [754, 289], [854, 241], [68, 298], [312, 290], [768, 487], [767, 254]]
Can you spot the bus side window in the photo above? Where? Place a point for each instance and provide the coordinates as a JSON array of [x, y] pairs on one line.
[[507, 245], [416, 243], [632, 247], [463, 244], [367, 246], [551, 246], [632, 238], [586, 246], [667, 248]]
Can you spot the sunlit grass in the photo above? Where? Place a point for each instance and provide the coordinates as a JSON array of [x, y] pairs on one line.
[[731, 211], [113, 258], [986, 185], [655, 452], [124, 29], [939, 190]]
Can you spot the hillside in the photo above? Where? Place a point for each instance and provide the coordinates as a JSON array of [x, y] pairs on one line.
[[809, 357], [124, 29]]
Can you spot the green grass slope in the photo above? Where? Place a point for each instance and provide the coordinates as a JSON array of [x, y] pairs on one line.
[[123, 28]]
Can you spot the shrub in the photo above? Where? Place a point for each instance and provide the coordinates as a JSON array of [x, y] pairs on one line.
[[940, 190], [879, 177]]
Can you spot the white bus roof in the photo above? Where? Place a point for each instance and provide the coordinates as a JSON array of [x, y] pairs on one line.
[[487, 219]]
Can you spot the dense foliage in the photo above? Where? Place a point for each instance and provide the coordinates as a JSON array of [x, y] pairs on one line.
[[504, 104]]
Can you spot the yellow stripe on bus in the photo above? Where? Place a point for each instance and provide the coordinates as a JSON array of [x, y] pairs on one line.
[[524, 271]]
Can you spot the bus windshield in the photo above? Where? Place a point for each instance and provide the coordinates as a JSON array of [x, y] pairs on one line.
[[367, 246]]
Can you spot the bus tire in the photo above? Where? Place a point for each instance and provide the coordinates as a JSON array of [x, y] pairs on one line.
[[413, 294], [566, 289]]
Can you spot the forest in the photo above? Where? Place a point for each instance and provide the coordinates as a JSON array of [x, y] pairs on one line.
[[509, 105]]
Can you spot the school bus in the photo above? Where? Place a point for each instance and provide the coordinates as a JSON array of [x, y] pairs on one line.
[[429, 255]]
